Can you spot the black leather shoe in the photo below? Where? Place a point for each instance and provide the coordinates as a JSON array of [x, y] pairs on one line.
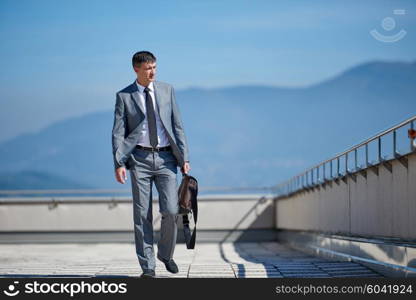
[[169, 264], [148, 274]]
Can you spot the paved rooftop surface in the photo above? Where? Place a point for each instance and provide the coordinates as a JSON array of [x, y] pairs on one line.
[[228, 260]]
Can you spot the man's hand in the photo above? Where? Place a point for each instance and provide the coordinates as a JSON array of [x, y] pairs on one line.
[[186, 168], [121, 175]]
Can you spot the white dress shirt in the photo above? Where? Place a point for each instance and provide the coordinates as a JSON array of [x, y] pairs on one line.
[[144, 139]]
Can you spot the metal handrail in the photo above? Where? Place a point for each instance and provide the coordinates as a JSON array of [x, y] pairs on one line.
[[118, 191], [54, 201], [369, 140], [64, 191], [303, 180]]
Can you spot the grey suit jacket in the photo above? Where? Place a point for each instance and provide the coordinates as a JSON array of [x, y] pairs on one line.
[[129, 115]]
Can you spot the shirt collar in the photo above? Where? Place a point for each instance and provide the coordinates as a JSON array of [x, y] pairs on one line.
[[141, 88]]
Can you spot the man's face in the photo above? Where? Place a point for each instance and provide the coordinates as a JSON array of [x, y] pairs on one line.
[[146, 72]]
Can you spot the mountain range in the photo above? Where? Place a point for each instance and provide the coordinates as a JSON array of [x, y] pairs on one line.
[[238, 136]]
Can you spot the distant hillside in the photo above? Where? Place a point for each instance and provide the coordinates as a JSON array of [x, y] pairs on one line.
[[239, 136], [36, 180]]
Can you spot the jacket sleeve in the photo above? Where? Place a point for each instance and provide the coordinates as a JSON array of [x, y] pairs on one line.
[[178, 129], [119, 130]]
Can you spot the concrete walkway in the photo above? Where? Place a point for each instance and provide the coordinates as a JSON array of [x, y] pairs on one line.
[[228, 260]]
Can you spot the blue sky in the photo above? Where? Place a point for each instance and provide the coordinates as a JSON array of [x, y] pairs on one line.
[[81, 51]]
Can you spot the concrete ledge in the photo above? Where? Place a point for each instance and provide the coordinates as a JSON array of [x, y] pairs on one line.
[[216, 212], [392, 259]]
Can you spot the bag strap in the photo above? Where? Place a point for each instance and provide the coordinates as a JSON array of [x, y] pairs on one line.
[[190, 239]]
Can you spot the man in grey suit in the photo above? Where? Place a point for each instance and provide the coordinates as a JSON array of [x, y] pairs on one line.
[[149, 140]]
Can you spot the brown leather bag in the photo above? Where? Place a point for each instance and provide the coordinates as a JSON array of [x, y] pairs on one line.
[[188, 204]]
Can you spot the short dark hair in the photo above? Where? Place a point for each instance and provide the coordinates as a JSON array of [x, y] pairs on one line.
[[141, 57]]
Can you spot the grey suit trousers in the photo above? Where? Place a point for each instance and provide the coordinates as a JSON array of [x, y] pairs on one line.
[[159, 168]]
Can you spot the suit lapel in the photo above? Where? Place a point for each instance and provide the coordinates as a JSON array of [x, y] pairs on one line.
[[135, 95], [158, 98], [160, 101]]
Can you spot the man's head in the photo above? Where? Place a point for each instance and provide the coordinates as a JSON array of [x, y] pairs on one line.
[[144, 64]]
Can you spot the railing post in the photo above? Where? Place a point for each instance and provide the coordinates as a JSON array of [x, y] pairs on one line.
[[379, 149], [330, 169], [346, 163], [312, 176], [317, 175], [355, 158], [338, 166]]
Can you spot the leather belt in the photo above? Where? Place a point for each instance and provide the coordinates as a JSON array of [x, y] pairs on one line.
[[167, 148]]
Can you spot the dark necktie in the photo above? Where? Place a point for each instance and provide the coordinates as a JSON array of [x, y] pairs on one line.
[[151, 118]]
